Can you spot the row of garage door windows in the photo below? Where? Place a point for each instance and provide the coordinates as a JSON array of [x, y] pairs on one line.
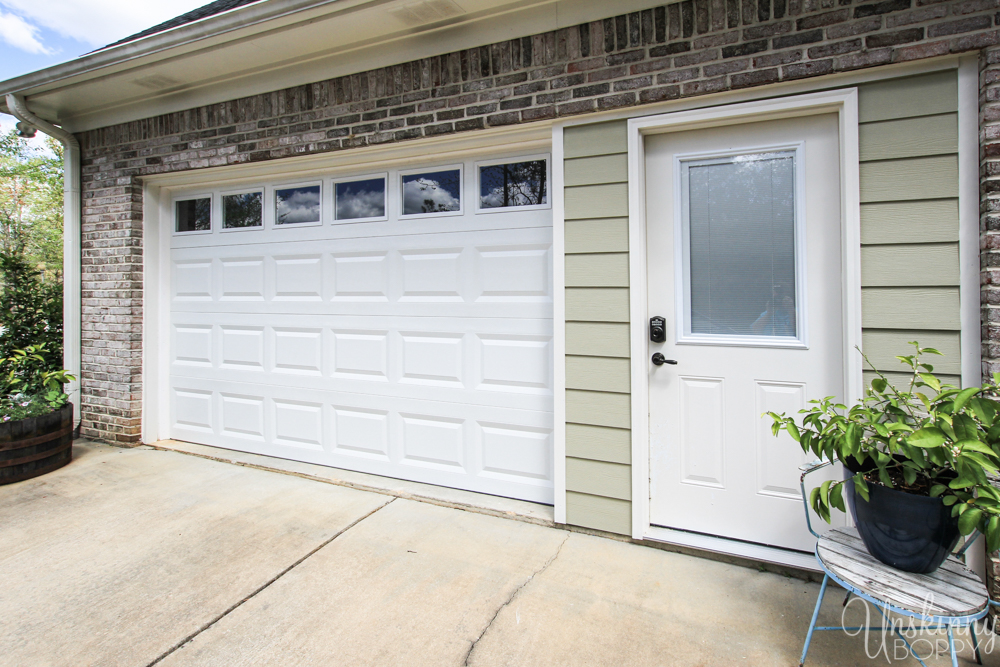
[[501, 185]]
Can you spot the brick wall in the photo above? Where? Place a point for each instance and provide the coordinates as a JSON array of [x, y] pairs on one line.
[[989, 240], [989, 208], [680, 50], [111, 285]]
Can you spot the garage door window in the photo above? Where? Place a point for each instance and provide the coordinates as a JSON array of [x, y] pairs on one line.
[[243, 210], [297, 205], [436, 192], [361, 199], [193, 215], [504, 185]]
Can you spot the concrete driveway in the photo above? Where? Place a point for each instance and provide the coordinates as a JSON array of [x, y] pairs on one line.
[[147, 557]]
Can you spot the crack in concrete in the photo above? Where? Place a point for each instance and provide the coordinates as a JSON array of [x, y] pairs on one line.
[[163, 656], [545, 566]]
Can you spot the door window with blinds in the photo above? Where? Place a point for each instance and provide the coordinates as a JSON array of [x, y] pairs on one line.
[[740, 240]]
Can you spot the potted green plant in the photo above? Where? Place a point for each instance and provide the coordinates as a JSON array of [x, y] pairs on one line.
[[36, 417], [918, 459]]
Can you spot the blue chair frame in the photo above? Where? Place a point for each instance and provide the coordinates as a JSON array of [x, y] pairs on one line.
[[930, 622]]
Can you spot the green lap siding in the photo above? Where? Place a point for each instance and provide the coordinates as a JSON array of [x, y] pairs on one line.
[[908, 138], [598, 439], [908, 141]]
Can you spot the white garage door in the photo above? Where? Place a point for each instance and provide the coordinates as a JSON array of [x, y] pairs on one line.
[[397, 323]]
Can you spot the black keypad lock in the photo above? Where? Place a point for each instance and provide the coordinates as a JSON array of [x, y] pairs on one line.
[[657, 329]]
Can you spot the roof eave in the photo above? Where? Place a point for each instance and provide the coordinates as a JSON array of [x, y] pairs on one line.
[[159, 44]]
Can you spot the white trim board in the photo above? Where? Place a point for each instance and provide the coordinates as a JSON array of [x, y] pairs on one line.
[[968, 242], [515, 140], [845, 104], [558, 199]]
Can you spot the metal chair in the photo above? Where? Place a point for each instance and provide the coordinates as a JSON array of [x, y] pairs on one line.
[[950, 598]]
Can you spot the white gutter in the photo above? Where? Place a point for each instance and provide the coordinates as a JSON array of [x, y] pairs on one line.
[[71, 242]]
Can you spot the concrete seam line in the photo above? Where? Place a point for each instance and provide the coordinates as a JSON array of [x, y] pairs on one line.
[[545, 566], [370, 489], [273, 579]]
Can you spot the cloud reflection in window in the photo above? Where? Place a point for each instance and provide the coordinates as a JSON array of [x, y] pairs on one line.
[[432, 192], [361, 199], [297, 205]]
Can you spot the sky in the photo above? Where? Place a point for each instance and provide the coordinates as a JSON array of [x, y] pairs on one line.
[[35, 34]]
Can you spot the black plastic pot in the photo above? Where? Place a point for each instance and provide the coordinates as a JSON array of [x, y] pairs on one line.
[[906, 531]]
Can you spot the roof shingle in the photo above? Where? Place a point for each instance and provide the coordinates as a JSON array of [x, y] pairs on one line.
[[211, 9]]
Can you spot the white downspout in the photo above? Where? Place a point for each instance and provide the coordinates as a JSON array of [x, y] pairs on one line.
[[71, 242]]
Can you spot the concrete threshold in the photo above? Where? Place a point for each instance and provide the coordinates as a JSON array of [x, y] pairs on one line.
[[481, 503]]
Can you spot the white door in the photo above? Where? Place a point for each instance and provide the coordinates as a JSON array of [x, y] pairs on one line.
[[395, 322], [744, 264]]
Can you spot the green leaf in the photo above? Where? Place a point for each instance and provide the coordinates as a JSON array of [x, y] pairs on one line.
[[793, 430], [965, 427], [993, 533], [861, 486], [909, 476], [929, 436], [963, 397], [981, 462], [930, 381], [962, 482], [837, 496], [879, 385], [949, 501], [975, 446], [852, 442], [937, 490], [969, 520], [984, 409]]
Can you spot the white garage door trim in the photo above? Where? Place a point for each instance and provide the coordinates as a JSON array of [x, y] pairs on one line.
[[161, 190]]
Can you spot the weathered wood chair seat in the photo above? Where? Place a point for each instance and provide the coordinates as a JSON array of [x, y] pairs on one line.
[[951, 598], [951, 591]]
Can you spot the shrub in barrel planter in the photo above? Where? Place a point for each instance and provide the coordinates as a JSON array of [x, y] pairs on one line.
[[36, 417], [919, 457]]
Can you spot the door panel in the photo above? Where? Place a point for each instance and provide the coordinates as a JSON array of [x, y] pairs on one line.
[[744, 262]]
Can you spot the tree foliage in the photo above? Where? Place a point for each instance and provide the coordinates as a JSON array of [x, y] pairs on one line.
[[31, 202], [30, 308], [31, 225]]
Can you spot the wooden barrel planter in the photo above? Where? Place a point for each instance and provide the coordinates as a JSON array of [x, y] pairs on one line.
[[36, 445]]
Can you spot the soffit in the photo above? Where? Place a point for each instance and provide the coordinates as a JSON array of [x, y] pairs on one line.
[[274, 45]]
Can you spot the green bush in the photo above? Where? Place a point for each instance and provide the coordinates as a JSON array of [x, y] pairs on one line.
[[28, 388], [30, 310]]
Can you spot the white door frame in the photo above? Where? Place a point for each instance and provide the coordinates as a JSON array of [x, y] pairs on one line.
[[842, 102]]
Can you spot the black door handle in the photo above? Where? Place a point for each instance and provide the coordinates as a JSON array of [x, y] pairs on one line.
[[658, 359]]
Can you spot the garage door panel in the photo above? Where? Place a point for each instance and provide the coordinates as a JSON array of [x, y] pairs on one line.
[[483, 448], [242, 278], [484, 361], [514, 273], [418, 270], [457, 310], [419, 347], [404, 390], [360, 276]]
